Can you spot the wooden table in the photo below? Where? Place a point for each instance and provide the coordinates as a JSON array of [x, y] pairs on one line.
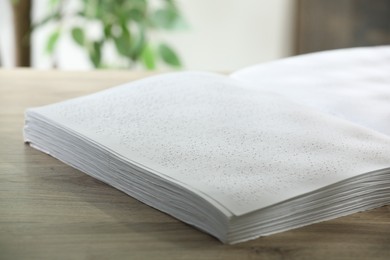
[[49, 210]]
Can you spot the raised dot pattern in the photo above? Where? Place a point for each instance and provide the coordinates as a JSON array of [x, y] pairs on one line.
[[244, 148]]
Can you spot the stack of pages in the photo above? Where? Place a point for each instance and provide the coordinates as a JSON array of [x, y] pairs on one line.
[[267, 149]]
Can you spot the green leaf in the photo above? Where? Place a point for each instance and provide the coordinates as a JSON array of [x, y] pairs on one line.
[[123, 43], [52, 41], [148, 57], [135, 10], [95, 54], [138, 43], [78, 36], [141, 5], [91, 9], [107, 31], [168, 18], [168, 55], [164, 18], [135, 15]]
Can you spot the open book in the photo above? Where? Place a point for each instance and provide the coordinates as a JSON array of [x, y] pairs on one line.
[[269, 148]]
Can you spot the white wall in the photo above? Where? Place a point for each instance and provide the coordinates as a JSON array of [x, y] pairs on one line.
[[224, 35], [229, 34], [6, 34]]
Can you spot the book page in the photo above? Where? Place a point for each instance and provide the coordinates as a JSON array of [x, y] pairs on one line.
[[352, 84], [241, 149]]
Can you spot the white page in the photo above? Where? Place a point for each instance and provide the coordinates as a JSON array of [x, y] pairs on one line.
[[353, 84], [240, 148]]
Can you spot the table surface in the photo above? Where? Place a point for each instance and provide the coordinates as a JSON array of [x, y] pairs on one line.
[[49, 210]]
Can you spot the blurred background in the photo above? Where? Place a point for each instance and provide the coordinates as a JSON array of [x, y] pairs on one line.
[[218, 35]]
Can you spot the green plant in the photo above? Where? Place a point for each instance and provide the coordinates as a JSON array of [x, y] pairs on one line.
[[125, 24]]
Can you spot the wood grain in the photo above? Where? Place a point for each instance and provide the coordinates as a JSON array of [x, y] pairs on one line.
[[51, 211]]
